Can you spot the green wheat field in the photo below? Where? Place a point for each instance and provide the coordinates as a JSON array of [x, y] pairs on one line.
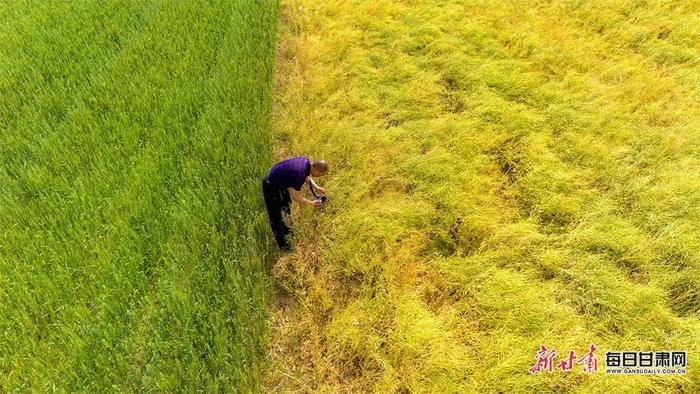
[[503, 175], [133, 245]]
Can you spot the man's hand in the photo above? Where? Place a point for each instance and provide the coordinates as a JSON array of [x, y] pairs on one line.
[[296, 196]]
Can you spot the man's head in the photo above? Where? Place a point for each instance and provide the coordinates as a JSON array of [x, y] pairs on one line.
[[319, 168]]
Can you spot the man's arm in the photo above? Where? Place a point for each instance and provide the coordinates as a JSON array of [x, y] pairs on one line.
[[318, 189], [296, 196]]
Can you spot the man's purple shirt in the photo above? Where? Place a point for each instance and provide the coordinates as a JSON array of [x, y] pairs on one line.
[[290, 173]]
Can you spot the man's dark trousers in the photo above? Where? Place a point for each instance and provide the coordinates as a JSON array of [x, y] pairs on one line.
[[277, 201]]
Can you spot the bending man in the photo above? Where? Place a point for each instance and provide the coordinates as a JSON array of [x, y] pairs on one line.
[[285, 180]]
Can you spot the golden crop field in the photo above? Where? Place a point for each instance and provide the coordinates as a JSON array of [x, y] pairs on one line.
[[503, 175]]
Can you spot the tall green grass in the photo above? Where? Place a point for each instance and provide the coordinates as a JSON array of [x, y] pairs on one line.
[[504, 174], [133, 135]]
